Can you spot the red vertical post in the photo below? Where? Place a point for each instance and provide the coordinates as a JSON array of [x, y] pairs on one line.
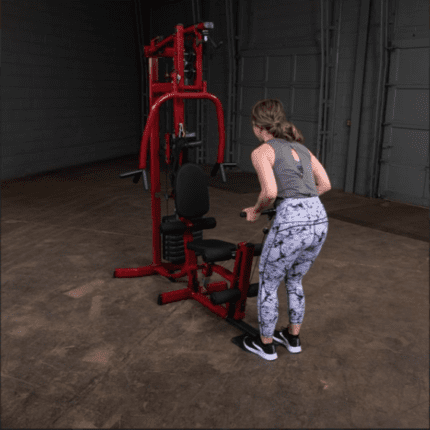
[[198, 46], [179, 54], [155, 190]]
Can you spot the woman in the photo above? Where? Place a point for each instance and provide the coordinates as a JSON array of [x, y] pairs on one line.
[[292, 178]]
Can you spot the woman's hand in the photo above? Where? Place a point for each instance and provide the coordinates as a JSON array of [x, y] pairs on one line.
[[251, 215]]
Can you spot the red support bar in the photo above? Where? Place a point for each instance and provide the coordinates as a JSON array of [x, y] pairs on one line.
[[150, 124], [153, 49], [219, 310]]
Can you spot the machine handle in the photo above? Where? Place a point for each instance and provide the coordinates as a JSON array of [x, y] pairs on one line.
[[215, 169], [193, 144], [217, 166], [270, 212], [137, 174]]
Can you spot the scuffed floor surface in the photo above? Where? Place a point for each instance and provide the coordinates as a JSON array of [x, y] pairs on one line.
[[81, 349]]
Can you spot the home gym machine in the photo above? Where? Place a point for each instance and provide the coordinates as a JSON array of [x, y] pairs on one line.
[[182, 233]]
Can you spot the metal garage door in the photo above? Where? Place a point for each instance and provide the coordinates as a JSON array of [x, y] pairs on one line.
[[270, 68], [404, 172]]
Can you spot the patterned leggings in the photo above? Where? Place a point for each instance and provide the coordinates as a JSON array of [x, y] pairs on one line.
[[292, 245]]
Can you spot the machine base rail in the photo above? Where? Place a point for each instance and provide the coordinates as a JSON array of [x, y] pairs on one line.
[[247, 329], [243, 326]]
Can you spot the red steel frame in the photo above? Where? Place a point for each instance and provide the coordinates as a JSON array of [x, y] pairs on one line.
[[159, 93]]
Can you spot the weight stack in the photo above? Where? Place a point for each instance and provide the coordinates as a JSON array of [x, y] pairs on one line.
[[173, 244]]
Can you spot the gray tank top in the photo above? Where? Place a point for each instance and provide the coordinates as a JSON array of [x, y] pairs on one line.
[[293, 178]]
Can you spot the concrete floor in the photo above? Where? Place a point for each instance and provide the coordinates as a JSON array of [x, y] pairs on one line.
[[81, 349]]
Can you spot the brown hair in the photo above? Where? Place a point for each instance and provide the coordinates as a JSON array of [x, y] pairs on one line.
[[269, 114]]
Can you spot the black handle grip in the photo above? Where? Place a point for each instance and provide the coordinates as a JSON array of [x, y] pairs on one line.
[[270, 212], [135, 173], [215, 169]]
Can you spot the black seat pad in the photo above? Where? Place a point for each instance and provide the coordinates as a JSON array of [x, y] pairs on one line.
[[212, 249]]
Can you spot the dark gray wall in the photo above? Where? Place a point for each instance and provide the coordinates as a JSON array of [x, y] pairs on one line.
[[70, 84]]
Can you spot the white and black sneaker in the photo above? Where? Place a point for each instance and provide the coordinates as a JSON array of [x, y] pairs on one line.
[[292, 343]]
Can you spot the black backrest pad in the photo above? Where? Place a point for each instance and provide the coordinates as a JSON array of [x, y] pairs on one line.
[[192, 194]]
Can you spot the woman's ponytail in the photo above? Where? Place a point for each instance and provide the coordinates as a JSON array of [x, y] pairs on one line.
[[269, 115]]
